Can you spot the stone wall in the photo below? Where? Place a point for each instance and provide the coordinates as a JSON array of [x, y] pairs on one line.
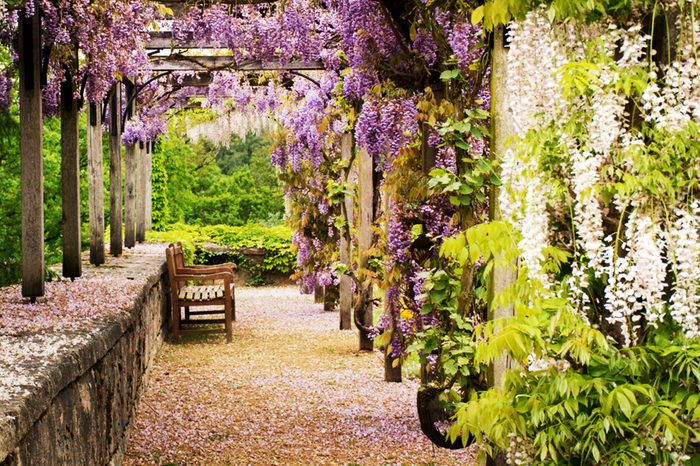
[[79, 407]]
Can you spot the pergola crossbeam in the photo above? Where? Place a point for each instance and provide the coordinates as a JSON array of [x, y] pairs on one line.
[[216, 63]]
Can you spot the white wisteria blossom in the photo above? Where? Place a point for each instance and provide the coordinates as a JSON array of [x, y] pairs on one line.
[[533, 87], [684, 247], [636, 277], [588, 217]]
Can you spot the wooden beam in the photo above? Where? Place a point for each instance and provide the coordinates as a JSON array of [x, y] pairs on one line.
[[130, 195], [345, 301], [140, 192], [502, 129], [199, 80], [210, 2], [32, 177], [95, 184], [180, 6], [116, 242], [366, 198], [392, 365], [130, 182], [70, 178], [211, 63], [158, 40], [318, 293]]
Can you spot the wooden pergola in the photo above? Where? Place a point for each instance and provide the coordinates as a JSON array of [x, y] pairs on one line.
[[135, 197], [168, 55]]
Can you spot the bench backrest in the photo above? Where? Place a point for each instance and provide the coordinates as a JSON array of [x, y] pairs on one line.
[[170, 259]]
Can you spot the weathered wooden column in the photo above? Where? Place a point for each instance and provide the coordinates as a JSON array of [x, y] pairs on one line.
[[116, 243], [345, 301], [130, 182], [392, 365], [70, 176], [501, 130], [141, 193], [95, 184], [149, 185], [318, 293], [366, 237], [32, 177]]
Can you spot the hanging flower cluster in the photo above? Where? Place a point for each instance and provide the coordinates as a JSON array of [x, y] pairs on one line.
[[634, 229]]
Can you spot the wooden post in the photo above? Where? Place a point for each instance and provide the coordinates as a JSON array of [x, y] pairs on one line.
[[141, 192], [345, 301], [330, 297], [130, 195], [116, 242], [95, 184], [149, 185], [70, 177], [366, 198], [130, 184], [318, 293], [501, 128], [32, 177], [392, 365], [429, 153]]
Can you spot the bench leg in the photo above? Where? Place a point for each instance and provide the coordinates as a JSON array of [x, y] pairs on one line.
[[228, 310], [187, 313], [175, 322]]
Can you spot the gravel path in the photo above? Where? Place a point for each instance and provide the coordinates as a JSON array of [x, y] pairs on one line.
[[290, 389]]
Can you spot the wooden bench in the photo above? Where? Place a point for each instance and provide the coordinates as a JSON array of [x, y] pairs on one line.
[[218, 298]]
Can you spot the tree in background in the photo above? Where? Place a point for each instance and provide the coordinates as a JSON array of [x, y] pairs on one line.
[[206, 184]]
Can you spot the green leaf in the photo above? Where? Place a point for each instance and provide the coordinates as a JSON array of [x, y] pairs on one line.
[[449, 74], [478, 15]]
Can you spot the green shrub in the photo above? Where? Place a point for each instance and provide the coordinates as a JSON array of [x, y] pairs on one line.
[[276, 241]]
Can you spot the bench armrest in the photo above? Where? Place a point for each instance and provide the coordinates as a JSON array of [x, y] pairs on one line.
[[198, 269], [223, 275]]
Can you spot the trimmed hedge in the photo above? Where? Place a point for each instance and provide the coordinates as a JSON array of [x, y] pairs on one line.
[[280, 254]]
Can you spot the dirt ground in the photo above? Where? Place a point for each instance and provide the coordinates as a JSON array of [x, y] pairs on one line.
[[289, 390]]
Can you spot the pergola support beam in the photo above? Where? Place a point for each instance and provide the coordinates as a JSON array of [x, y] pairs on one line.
[[366, 219], [345, 301], [214, 63], [501, 130], [32, 177], [95, 184], [116, 242], [70, 179]]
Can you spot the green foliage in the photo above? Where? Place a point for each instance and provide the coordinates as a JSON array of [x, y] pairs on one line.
[[499, 12], [276, 242], [590, 402], [574, 394], [161, 206], [204, 184], [572, 397]]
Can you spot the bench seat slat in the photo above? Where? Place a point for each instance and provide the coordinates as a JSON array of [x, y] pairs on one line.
[[201, 293]]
